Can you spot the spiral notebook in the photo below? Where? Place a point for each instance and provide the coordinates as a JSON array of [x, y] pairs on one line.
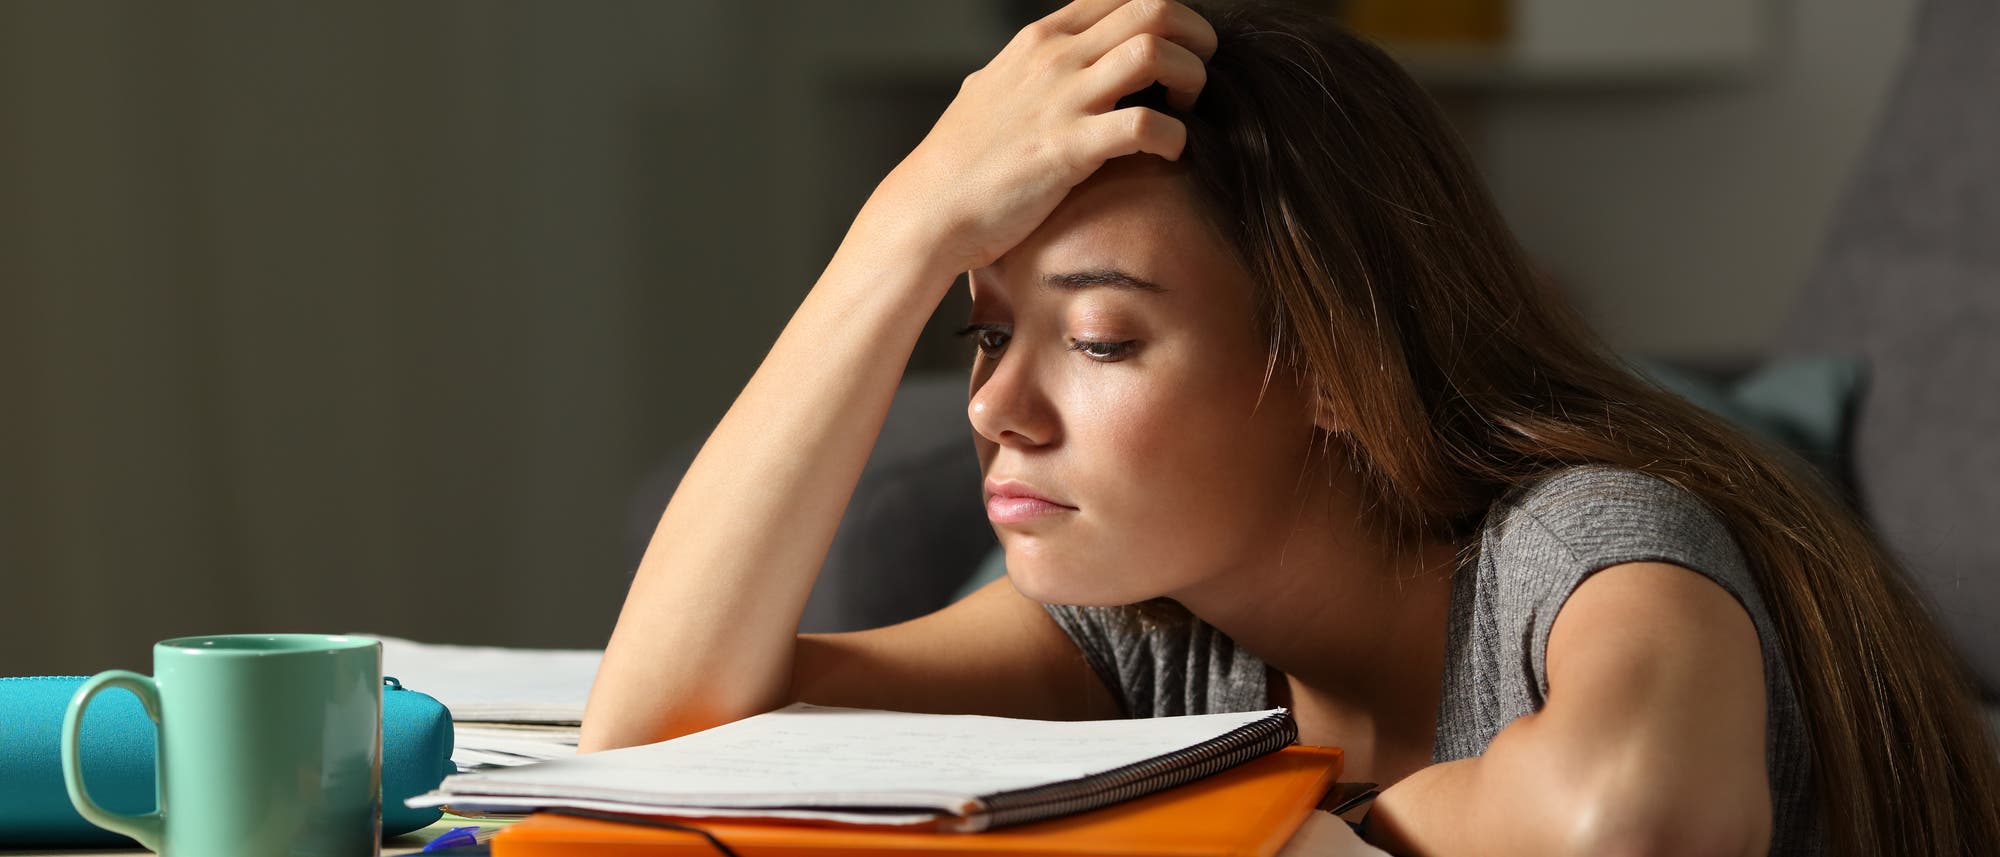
[[883, 768], [1261, 808]]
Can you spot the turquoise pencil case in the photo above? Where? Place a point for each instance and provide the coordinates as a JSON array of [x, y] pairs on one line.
[[118, 746]]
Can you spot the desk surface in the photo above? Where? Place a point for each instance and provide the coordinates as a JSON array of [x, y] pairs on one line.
[[1323, 835], [408, 843]]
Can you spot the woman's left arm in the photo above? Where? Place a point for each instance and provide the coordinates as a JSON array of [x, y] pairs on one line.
[[1651, 740]]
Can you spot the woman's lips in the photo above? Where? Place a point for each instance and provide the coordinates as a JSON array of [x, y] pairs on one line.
[[1015, 510], [1010, 501]]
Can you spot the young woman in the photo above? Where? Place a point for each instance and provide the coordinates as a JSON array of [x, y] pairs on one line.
[[1272, 412]]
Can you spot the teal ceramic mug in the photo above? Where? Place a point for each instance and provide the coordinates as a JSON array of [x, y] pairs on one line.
[[269, 744]]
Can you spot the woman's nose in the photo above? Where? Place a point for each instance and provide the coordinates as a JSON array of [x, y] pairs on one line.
[[1008, 407]]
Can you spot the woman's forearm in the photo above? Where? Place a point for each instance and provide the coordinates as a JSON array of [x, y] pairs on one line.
[[1532, 794], [1529, 794], [1447, 809], [707, 630]]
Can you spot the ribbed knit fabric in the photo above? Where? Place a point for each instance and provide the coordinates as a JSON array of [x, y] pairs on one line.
[[1537, 545]]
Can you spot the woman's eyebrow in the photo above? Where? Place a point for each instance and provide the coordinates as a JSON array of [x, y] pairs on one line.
[[1111, 277]]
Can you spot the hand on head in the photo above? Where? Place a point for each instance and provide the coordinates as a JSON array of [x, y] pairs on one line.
[[1037, 120]]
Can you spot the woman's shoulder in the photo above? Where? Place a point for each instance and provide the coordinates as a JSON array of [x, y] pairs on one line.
[[1600, 514], [1583, 484]]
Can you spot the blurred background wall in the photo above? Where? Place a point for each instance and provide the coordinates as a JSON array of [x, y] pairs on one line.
[[370, 316]]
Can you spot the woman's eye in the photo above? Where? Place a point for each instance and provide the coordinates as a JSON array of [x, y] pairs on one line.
[[991, 339], [1103, 352]]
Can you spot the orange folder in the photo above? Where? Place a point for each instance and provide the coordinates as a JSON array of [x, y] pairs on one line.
[[1250, 810]]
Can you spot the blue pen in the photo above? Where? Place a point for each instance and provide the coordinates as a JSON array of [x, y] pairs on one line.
[[460, 836]]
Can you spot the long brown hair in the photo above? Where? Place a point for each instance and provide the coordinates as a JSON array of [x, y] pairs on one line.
[[1389, 280]]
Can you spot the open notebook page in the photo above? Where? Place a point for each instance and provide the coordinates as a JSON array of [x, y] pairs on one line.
[[807, 756]]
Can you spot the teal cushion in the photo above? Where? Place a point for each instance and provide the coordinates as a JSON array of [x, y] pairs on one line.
[[117, 747], [1800, 403]]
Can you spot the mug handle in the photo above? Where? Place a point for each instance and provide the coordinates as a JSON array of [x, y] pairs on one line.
[[145, 828]]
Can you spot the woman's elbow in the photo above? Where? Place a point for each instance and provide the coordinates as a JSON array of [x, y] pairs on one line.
[[607, 731], [652, 713]]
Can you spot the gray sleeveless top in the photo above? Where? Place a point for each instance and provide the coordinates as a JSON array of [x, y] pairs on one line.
[[1536, 545]]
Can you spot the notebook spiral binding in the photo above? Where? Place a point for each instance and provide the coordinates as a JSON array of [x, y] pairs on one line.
[[1119, 784]]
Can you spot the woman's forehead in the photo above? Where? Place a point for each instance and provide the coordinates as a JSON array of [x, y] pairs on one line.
[[1134, 217]]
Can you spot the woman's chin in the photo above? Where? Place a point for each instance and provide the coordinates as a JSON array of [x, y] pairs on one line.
[[1035, 589], [1056, 587]]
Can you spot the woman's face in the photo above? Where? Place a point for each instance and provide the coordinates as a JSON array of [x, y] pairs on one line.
[[1134, 407]]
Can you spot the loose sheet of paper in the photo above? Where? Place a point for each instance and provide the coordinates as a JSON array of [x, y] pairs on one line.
[[813, 756], [479, 745], [492, 683]]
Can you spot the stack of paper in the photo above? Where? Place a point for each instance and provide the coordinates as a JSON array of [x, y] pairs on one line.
[[508, 706], [883, 768], [1247, 811], [484, 745]]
